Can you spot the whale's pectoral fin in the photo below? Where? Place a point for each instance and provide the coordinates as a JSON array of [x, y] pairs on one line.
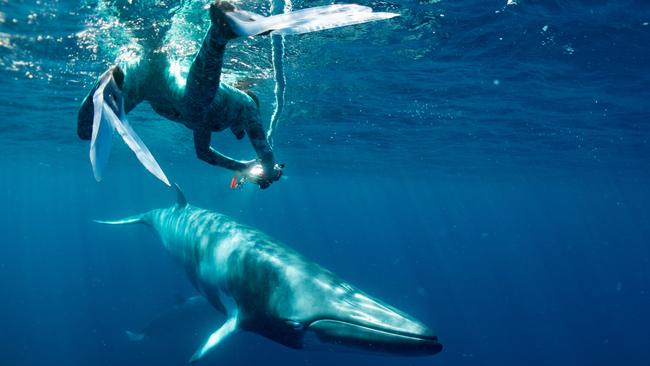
[[109, 116], [215, 338]]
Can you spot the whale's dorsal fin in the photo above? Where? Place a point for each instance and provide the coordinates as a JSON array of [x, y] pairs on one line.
[[181, 201]]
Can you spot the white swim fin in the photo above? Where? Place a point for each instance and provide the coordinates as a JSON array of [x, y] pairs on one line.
[[105, 122], [318, 18], [102, 137]]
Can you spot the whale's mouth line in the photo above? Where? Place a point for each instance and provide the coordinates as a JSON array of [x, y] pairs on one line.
[[392, 332], [373, 337]]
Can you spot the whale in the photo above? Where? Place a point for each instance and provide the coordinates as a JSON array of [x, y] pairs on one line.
[[265, 287]]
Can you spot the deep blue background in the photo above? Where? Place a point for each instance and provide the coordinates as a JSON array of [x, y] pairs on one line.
[[462, 162], [507, 270]]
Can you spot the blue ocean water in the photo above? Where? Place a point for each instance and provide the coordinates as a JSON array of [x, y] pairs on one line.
[[482, 165]]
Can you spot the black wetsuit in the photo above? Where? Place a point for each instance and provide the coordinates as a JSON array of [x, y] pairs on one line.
[[204, 104]]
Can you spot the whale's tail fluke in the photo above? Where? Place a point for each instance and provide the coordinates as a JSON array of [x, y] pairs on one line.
[[137, 219]]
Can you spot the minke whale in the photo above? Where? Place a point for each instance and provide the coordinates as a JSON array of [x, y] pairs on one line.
[[264, 287]]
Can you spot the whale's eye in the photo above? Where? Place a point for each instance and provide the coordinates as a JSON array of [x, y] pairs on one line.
[[294, 324]]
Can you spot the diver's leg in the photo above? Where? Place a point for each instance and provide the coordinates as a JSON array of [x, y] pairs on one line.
[[87, 110], [205, 72]]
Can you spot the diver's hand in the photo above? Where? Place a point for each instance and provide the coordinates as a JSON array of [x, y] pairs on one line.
[[273, 176], [263, 177], [267, 177]]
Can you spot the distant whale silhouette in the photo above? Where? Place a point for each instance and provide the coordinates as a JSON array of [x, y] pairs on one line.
[[188, 314], [267, 288]]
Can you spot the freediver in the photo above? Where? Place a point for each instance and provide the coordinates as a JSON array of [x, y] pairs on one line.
[[205, 104]]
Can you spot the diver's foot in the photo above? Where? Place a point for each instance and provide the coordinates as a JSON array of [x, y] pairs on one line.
[[87, 110], [118, 75], [218, 17], [257, 174]]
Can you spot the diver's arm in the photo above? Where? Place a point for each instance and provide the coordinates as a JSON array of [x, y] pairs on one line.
[[206, 153], [257, 136]]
